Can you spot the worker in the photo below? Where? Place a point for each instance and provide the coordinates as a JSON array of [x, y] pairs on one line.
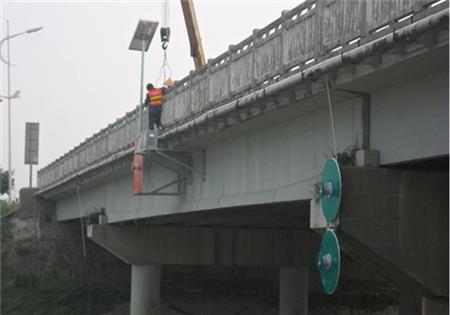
[[154, 101]]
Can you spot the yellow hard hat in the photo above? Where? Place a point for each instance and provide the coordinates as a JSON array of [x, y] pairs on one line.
[[169, 83]]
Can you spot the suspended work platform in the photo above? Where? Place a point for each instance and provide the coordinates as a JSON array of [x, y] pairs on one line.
[[180, 162]]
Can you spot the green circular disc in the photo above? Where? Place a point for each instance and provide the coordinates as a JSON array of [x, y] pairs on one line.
[[331, 186], [329, 261]]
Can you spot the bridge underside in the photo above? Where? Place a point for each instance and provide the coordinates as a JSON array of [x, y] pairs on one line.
[[393, 221]]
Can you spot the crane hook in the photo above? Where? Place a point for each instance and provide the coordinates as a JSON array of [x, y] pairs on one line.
[[165, 36]]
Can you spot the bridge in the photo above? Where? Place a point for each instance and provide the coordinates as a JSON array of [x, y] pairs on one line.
[[232, 181]]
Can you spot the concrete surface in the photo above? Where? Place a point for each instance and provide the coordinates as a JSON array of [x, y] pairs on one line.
[[158, 245], [397, 222]]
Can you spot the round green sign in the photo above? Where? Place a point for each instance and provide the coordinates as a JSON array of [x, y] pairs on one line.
[[329, 261], [330, 189]]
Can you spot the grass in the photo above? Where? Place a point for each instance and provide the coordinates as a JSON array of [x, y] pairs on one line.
[[5, 230], [27, 295], [6, 208]]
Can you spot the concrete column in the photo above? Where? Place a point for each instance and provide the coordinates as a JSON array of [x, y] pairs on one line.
[[431, 306], [410, 304], [145, 289], [293, 291]]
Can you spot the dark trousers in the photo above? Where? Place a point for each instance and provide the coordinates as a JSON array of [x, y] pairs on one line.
[[154, 117]]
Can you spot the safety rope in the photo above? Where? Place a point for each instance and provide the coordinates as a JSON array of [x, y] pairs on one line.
[[333, 131]]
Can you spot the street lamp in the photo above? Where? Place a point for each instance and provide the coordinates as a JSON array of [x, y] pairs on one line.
[[8, 37], [15, 95], [10, 97], [141, 41]]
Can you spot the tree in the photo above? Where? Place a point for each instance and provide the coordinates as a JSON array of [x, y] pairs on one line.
[[3, 181]]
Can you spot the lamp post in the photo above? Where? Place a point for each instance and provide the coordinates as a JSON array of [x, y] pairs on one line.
[[9, 97], [15, 95], [141, 41]]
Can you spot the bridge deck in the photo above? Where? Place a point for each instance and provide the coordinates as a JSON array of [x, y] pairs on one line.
[[297, 42]]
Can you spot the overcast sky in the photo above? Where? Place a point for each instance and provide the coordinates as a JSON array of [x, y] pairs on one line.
[[77, 74]]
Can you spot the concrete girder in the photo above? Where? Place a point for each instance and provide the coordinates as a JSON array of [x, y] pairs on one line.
[[159, 245], [287, 215]]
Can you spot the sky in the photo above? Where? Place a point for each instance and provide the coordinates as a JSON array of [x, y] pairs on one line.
[[77, 75]]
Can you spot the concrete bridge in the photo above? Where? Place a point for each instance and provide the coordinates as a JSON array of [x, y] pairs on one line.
[[246, 138]]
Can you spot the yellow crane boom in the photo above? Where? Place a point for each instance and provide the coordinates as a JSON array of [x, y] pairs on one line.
[[193, 33]]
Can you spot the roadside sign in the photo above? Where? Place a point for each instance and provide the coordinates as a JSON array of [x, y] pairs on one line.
[[31, 143]]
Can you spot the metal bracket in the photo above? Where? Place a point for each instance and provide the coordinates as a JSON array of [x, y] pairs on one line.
[[159, 192], [180, 163], [147, 143]]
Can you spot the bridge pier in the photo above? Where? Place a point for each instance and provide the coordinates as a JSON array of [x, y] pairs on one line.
[[148, 247], [145, 289], [411, 304], [293, 291]]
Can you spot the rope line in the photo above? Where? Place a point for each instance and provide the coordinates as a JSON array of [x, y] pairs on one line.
[[163, 70], [333, 131]]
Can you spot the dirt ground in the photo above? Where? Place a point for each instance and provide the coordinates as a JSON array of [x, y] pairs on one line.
[[240, 307]]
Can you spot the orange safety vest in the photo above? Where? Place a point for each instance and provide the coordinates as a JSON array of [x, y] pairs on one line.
[[156, 97]]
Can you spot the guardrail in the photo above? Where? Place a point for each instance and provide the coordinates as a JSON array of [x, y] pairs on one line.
[[310, 33]]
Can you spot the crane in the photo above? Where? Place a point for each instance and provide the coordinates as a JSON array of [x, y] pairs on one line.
[[193, 31]]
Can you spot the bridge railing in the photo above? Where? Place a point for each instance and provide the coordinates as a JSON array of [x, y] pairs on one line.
[[310, 33], [108, 141]]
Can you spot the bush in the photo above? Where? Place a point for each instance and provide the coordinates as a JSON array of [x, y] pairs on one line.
[[5, 208], [23, 251], [5, 230]]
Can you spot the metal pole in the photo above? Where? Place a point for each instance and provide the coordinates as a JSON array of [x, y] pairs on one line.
[[9, 115], [142, 87], [31, 175]]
